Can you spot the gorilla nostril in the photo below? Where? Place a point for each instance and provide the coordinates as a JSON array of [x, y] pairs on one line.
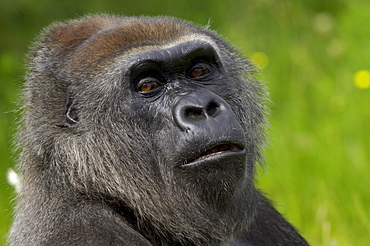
[[213, 109], [194, 113]]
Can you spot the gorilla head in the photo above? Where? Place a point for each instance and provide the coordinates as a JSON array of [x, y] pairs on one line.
[[139, 131]]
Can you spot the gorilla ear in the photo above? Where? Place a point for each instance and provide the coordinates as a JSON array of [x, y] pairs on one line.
[[71, 117]]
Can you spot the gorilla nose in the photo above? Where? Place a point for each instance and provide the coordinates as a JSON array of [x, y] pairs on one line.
[[200, 111]]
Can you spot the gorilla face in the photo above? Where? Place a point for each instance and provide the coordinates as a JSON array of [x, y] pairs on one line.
[[176, 93]]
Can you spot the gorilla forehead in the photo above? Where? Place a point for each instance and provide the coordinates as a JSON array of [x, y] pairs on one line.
[[107, 37]]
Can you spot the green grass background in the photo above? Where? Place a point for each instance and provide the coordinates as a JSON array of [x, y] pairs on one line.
[[310, 52]]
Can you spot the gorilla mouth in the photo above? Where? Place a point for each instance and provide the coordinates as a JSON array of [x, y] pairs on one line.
[[215, 151], [220, 148]]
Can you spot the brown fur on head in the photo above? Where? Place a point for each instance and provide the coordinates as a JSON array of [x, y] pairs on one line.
[[96, 39]]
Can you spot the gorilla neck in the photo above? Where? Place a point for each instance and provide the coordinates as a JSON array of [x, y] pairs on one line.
[[184, 219]]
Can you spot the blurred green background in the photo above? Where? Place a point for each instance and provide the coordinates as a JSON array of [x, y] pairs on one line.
[[315, 59]]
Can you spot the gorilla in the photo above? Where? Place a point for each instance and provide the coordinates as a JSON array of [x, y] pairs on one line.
[[141, 131]]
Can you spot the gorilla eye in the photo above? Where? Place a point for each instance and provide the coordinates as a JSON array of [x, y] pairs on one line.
[[147, 84], [199, 71]]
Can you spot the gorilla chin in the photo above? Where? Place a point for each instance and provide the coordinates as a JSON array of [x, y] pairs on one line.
[[218, 171]]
